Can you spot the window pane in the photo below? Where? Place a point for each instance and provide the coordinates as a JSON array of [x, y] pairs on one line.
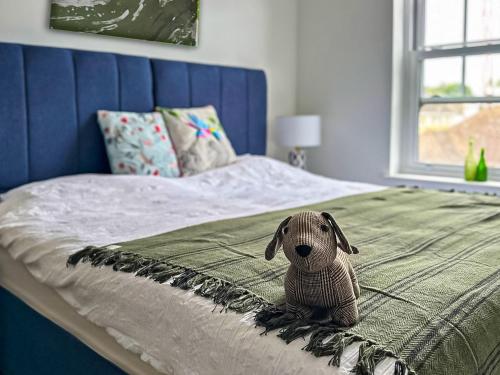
[[444, 22], [444, 131], [482, 75], [442, 77], [483, 20]]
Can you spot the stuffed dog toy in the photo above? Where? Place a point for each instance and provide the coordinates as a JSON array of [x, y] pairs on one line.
[[319, 276]]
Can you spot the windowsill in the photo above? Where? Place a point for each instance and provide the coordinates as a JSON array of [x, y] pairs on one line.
[[438, 182]]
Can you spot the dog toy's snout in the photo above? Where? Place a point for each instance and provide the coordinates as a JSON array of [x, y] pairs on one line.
[[303, 250]]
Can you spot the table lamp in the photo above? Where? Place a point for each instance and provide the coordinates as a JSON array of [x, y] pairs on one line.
[[298, 132]]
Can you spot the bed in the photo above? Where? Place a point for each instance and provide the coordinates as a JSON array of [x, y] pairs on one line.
[[60, 198]]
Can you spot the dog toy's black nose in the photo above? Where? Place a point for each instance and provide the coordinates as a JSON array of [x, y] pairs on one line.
[[303, 250]]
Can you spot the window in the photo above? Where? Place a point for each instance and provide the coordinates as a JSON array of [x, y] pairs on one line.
[[449, 84]]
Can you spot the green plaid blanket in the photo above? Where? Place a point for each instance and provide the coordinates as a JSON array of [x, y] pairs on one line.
[[429, 271]]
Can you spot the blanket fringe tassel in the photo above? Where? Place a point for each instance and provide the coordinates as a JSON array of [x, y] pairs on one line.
[[325, 339], [221, 292]]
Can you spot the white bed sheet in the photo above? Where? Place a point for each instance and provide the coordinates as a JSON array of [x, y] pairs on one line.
[[173, 330]]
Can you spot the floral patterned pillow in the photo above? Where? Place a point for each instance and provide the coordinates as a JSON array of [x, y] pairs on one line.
[[138, 143], [199, 139]]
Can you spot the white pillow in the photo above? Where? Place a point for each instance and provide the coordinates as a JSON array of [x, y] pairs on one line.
[[198, 137]]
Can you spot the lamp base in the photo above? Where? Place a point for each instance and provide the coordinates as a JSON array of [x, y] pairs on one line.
[[297, 158]]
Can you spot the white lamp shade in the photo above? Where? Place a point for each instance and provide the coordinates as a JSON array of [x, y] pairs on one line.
[[298, 131]]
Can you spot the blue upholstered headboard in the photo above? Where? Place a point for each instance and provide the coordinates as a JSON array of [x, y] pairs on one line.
[[49, 98]]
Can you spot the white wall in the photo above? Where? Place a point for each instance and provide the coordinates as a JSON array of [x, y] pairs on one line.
[[344, 74], [248, 33]]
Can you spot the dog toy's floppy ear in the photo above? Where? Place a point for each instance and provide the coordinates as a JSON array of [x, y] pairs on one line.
[[343, 243], [275, 244]]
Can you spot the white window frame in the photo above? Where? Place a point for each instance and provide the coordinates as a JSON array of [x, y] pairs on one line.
[[406, 88]]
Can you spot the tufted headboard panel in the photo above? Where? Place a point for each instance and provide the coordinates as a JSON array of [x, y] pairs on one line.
[[49, 98]]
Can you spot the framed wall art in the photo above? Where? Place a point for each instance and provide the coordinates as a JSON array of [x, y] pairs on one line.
[[167, 21]]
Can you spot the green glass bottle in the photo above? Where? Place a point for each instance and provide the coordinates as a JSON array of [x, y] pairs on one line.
[[470, 163], [482, 168]]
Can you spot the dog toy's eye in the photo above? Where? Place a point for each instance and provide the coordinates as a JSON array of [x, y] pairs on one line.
[[285, 230], [324, 228]]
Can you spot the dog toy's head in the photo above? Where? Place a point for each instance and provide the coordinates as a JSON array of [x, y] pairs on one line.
[[309, 240]]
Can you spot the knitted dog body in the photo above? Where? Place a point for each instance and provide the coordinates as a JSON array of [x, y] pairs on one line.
[[319, 275]]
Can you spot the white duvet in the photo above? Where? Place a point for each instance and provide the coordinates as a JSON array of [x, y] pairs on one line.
[[173, 330]]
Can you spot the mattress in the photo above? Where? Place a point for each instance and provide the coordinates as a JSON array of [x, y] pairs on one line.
[[15, 278], [173, 331]]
